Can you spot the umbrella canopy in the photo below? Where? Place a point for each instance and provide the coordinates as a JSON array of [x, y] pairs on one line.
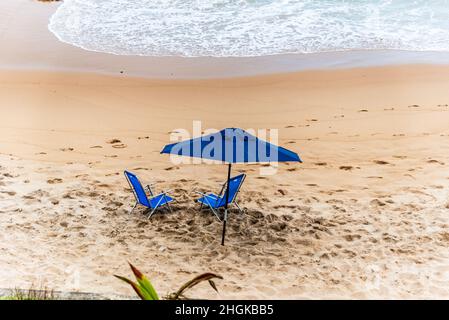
[[231, 145]]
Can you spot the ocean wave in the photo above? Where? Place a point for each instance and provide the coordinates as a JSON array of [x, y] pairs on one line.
[[241, 28]]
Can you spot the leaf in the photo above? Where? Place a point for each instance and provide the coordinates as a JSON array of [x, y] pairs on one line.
[[144, 283], [212, 284], [202, 277], [142, 295]]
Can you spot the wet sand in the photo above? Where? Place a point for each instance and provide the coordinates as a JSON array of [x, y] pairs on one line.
[[29, 45]]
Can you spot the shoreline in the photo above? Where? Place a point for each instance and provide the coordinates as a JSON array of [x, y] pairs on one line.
[[31, 46], [226, 68]]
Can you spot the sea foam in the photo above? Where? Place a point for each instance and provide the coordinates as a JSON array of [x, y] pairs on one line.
[[241, 28]]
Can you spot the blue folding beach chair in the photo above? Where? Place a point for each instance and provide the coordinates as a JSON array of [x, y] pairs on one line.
[[215, 202], [153, 202]]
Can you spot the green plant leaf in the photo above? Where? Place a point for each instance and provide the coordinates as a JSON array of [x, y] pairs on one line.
[[141, 293], [144, 283]]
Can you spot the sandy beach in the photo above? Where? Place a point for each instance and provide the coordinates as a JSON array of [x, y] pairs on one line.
[[365, 216]]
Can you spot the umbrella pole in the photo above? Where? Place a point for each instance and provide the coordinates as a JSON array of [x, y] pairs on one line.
[[226, 206]]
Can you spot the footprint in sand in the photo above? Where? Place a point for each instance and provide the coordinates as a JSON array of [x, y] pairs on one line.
[[363, 110], [172, 168], [54, 181], [288, 127], [36, 195], [104, 185], [377, 203], [388, 109], [346, 168], [119, 146], [114, 141], [143, 138], [414, 106], [8, 175], [66, 149], [381, 162], [9, 193], [320, 163], [96, 147], [443, 105], [436, 162], [351, 237], [112, 174], [282, 192], [278, 226]]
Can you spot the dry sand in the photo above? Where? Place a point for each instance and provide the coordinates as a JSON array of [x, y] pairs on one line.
[[365, 216]]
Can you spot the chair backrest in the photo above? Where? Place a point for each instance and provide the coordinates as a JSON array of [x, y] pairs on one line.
[[234, 186], [138, 190]]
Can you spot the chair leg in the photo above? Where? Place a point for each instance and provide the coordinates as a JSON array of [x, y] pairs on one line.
[[169, 207], [155, 208], [237, 205], [152, 212], [135, 206], [215, 212]]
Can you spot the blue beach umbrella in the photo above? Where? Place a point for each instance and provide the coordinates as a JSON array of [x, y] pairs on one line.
[[231, 145]]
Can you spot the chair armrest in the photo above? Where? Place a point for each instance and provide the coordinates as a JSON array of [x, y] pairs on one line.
[[162, 193], [208, 195]]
